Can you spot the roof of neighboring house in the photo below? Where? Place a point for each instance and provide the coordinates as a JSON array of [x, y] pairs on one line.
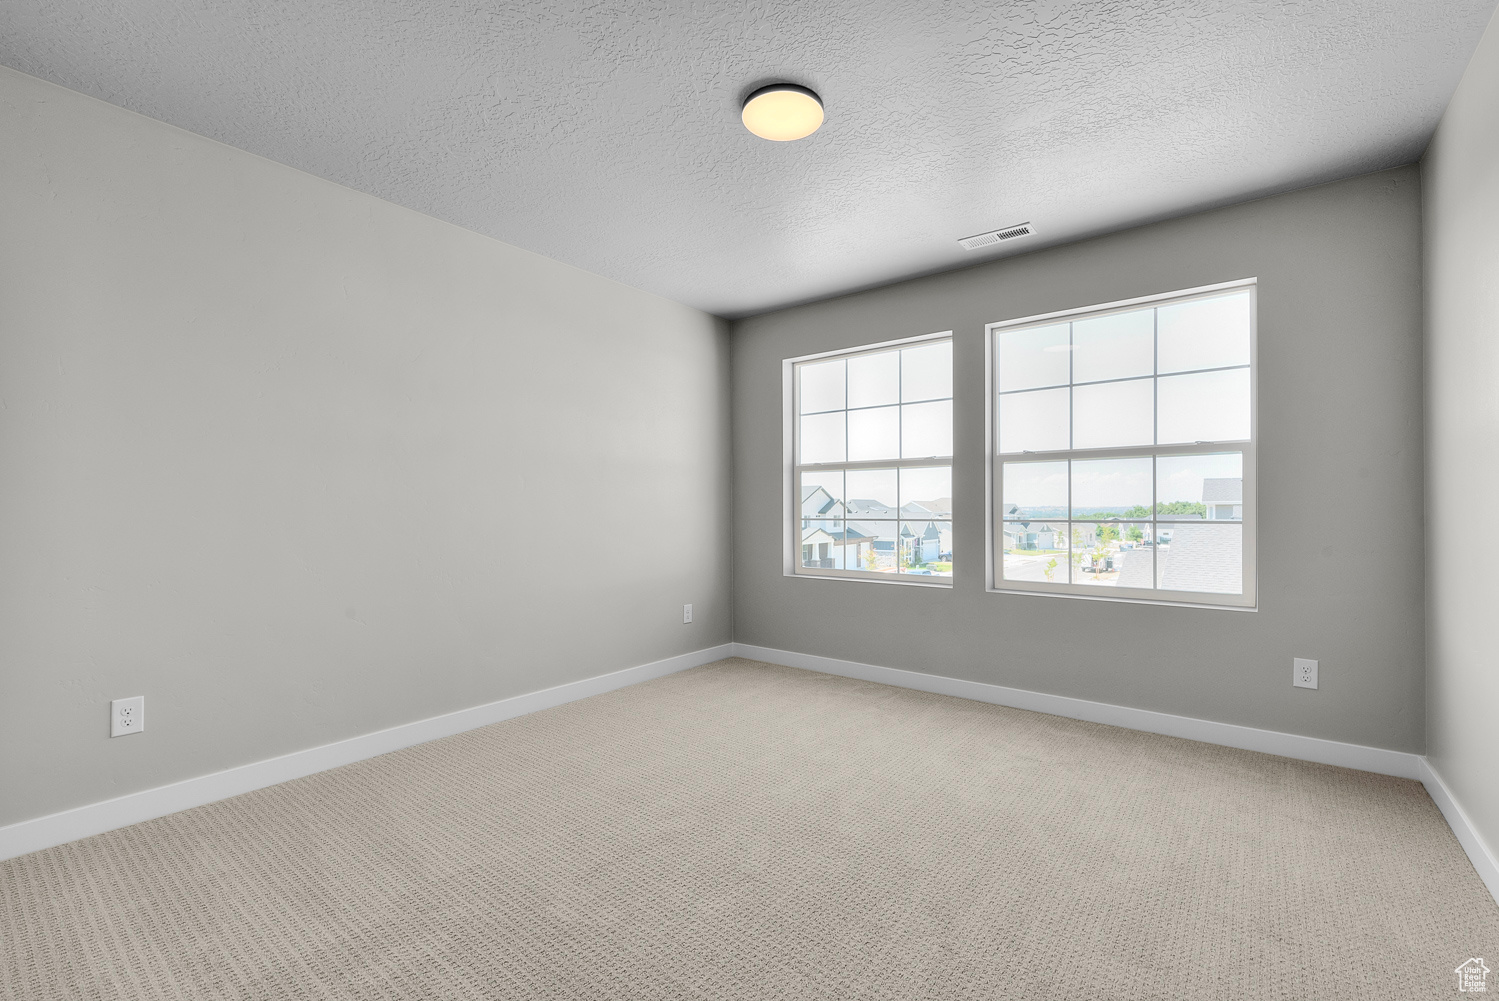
[[813, 505], [1029, 527], [847, 536], [1135, 568], [876, 518], [863, 506], [1203, 557], [1223, 490], [941, 506]]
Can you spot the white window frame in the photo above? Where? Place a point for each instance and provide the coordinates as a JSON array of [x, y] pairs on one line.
[[1246, 600], [791, 423]]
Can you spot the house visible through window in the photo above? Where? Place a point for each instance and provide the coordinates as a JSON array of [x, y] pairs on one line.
[[872, 463], [1124, 459]]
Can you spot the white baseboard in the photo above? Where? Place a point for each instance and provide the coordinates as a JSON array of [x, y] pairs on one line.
[[1479, 853], [96, 818], [1290, 745]]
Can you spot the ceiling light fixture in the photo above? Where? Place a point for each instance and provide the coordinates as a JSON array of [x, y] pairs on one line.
[[782, 112]]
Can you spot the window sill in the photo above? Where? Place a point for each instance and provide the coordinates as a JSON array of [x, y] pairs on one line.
[[944, 583], [1212, 606]]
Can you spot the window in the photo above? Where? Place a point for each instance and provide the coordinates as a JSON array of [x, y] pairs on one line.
[[872, 463], [1124, 449]]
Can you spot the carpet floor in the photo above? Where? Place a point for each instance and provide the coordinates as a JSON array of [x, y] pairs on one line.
[[749, 831]]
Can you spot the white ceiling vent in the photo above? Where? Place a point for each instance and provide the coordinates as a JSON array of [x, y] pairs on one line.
[[996, 236]]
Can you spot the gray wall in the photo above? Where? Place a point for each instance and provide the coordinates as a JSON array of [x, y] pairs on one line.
[[1461, 177], [1341, 537], [297, 464]]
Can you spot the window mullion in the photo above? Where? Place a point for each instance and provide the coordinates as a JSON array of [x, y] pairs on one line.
[[1155, 435], [1071, 563], [1128, 451], [829, 467], [1155, 528], [1071, 415], [845, 409], [900, 415], [1155, 380]]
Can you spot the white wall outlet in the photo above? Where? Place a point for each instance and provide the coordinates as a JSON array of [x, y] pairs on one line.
[[1303, 673], [127, 716], [686, 614]]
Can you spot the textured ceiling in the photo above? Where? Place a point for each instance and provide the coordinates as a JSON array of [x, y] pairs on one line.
[[606, 134]]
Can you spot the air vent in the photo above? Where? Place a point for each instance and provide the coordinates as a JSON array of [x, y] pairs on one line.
[[996, 236]]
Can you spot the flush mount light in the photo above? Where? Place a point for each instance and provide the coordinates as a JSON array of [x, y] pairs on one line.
[[782, 112]]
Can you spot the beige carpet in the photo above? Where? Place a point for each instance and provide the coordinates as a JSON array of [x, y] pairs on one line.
[[748, 831]]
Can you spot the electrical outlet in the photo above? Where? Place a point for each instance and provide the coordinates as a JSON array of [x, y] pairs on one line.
[[127, 716], [686, 614], [1303, 673]]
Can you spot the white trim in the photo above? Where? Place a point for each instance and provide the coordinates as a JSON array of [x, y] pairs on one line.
[[1201, 291], [96, 818], [871, 577], [1125, 598], [867, 349], [1290, 745], [132, 808], [1401, 764], [1479, 853]]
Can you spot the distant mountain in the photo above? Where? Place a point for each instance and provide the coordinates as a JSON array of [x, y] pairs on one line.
[[1060, 513]]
